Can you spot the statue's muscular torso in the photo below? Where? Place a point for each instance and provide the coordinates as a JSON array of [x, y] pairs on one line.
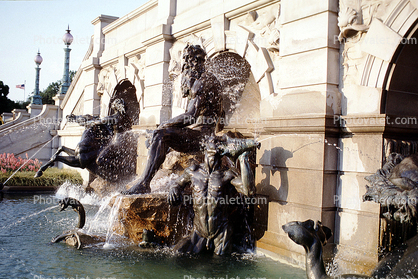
[[210, 191]]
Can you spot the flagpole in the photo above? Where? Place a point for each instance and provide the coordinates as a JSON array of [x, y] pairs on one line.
[[24, 92]]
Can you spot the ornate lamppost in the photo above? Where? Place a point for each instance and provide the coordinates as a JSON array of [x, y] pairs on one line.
[[36, 99], [68, 39]]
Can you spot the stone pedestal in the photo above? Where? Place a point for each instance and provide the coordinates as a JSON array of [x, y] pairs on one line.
[[34, 110]]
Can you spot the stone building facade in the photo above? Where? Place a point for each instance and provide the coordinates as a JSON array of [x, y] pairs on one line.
[[331, 85]]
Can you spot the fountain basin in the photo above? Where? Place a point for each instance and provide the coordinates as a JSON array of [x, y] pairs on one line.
[[26, 229], [151, 212]]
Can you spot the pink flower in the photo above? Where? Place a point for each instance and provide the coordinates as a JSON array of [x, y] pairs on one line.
[[9, 162]]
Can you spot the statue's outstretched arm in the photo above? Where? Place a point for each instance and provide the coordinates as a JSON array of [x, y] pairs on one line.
[[176, 190], [244, 184], [187, 118]]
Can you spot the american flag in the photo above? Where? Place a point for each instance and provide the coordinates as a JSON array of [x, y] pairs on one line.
[[21, 86]]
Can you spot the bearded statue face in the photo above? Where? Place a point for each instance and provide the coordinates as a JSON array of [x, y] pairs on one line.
[[192, 68]]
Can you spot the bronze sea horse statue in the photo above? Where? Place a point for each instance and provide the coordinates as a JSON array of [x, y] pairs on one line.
[[107, 147]]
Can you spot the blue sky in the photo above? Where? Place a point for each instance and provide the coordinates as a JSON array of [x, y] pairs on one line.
[[26, 26]]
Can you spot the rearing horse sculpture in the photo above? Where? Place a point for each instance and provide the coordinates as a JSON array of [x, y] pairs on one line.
[[107, 147]]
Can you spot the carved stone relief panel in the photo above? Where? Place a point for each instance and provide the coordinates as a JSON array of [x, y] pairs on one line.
[[265, 25], [354, 20]]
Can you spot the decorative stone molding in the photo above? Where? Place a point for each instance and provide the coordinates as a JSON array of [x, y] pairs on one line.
[[176, 52], [265, 27], [174, 69], [219, 25], [350, 19], [381, 41], [367, 55], [103, 84], [79, 107], [110, 76], [136, 74]]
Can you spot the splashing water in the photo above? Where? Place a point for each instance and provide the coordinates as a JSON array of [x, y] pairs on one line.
[[269, 138], [29, 159], [112, 219], [334, 145], [102, 220], [99, 224], [162, 185], [68, 189], [25, 253]]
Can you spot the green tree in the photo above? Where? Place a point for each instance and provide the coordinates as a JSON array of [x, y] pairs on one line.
[[53, 89], [50, 92], [4, 89], [6, 105]]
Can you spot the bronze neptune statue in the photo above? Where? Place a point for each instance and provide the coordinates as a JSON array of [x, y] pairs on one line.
[[184, 132]]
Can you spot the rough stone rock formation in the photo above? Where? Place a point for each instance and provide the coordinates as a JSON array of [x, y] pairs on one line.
[[151, 211]]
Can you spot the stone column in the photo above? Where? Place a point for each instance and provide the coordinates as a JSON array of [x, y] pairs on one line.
[[92, 66], [157, 106], [157, 96], [298, 157]]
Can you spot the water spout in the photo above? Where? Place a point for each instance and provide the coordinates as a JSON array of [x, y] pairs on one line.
[[27, 217]]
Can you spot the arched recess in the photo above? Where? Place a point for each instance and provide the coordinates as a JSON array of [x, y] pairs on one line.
[[240, 92], [238, 49], [400, 99], [126, 90], [114, 75], [400, 94], [400, 25], [240, 41]]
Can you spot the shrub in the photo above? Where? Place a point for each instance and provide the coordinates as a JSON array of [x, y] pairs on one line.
[[51, 177]]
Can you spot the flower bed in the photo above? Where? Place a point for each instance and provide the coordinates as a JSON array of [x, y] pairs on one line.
[[10, 163], [25, 171]]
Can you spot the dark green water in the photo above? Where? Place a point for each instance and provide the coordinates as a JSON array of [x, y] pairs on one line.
[[26, 228]]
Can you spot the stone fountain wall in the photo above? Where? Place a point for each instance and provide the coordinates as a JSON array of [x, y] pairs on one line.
[[318, 97], [31, 133]]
